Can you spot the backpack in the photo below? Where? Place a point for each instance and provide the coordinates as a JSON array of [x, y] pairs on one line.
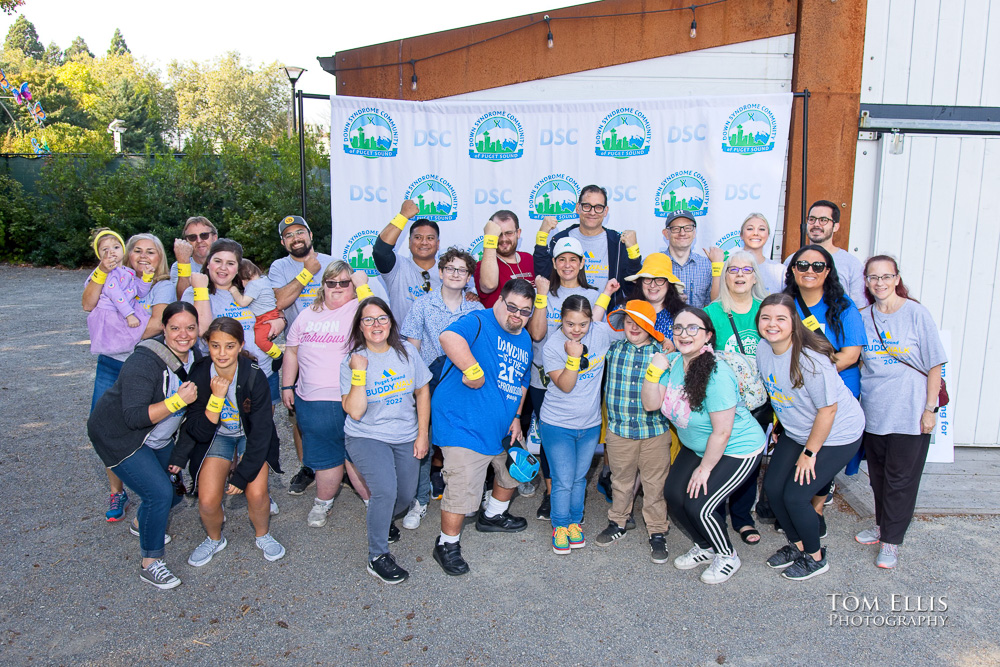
[[751, 387]]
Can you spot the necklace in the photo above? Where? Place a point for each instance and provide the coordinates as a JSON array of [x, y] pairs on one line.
[[517, 265]]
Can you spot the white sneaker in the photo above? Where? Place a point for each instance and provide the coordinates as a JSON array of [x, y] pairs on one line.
[[274, 507], [271, 547], [486, 498], [693, 558], [721, 569], [870, 536], [203, 553], [526, 489], [417, 512], [320, 510]]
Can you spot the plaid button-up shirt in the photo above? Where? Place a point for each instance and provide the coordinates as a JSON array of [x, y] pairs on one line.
[[626, 366], [697, 276]]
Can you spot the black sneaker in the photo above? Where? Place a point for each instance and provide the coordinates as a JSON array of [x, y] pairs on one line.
[[630, 521], [763, 511], [604, 485], [829, 496], [778, 528], [384, 567], [658, 548], [805, 567], [437, 485], [822, 526], [784, 557], [501, 523], [545, 509], [610, 534], [449, 557], [302, 479], [393, 536]]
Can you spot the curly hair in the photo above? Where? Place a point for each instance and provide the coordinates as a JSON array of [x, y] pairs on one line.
[[833, 292], [700, 369], [455, 252], [802, 338]]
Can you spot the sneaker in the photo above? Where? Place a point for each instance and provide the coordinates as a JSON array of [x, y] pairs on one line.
[[486, 499], [630, 521], [449, 557], [576, 538], [693, 558], [658, 548], [384, 567], [320, 510], [203, 553], [117, 506], [437, 485], [604, 485], [829, 496], [784, 557], [526, 489], [301, 480], [271, 547], [806, 567], [274, 506], [417, 512], [545, 509], [158, 575], [888, 556], [764, 512], [610, 534], [822, 526], [560, 540], [504, 522], [778, 528], [869, 536], [393, 533], [721, 569], [134, 529]]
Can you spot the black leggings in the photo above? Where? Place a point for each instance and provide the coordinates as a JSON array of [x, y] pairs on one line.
[[703, 518], [790, 500]]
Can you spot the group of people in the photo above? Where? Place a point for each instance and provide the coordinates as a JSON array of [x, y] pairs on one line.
[[421, 390]]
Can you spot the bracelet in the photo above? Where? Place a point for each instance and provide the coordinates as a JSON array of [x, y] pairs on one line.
[[603, 301], [654, 373], [364, 291], [359, 377], [175, 403], [399, 221], [215, 403], [490, 241], [517, 416], [473, 372], [572, 363], [541, 300], [633, 251], [148, 277], [183, 270], [289, 386], [542, 238], [305, 275], [716, 269], [200, 293], [98, 276]]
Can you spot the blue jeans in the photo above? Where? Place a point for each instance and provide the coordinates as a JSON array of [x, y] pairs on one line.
[[391, 474], [424, 478], [570, 452], [321, 424], [145, 472], [105, 377], [275, 387]]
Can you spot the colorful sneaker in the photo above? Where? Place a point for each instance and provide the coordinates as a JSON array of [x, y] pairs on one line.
[[888, 556], [658, 548], [417, 512], [560, 540], [610, 534], [693, 558], [806, 567], [158, 575], [869, 536], [385, 568], [204, 552], [134, 529], [576, 538], [320, 510], [721, 569], [301, 480], [117, 506], [271, 547], [274, 506], [784, 557]]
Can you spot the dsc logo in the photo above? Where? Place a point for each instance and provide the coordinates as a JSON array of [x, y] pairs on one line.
[[432, 138], [369, 193], [623, 193], [743, 191], [494, 196], [686, 133], [559, 136]]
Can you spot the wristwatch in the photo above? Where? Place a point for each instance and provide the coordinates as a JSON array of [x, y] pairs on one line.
[[808, 452], [930, 408]]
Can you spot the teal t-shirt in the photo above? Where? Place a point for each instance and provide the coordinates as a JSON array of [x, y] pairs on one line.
[[746, 324], [694, 427]]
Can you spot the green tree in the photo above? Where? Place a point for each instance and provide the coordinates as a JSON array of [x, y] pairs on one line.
[[10, 6], [22, 36], [118, 46], [78, 48], [53, 56]]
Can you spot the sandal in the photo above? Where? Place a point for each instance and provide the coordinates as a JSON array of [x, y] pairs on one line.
[[749, 532]]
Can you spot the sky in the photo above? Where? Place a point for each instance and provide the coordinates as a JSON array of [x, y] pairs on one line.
[[263, 32]]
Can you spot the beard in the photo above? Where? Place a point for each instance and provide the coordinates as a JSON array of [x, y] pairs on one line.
[[512, 328], [301, 252]]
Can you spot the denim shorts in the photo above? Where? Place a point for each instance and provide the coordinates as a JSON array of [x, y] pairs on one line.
[[225, 446], [321, 424], [274, 386]]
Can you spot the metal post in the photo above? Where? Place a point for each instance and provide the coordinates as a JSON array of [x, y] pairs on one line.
[[302, 155], [805, 165], [293, 108]]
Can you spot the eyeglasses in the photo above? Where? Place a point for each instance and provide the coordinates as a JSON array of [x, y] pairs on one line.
[[369, 321], [288, 236], [736, 270], [659, 282], [886, 278], [824, 221], [802, 266], [596, 208], [690, 330], [686, 229], [455, 271], [427, 281], [332, 284], [523, 312], [204, 236]]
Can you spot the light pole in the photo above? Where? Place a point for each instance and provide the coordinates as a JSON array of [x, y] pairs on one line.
[[293, 74]]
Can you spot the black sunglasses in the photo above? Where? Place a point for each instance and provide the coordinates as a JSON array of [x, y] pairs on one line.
[[337, 283], [523, 312], [427, 281], [204, 236], [803, 266]]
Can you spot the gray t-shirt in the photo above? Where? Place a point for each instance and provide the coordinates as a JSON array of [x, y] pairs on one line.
[[581, 407], [163, 432], [821, 386], [893, 395], [229, 419], [772, 276], [222, 305], [391, 416], [595, 261], [553, 320], [195, 268], [262, 293], [284, 270], [850, 270], [405, 284]]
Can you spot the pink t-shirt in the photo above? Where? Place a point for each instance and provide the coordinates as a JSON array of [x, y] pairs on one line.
[[321, 338]]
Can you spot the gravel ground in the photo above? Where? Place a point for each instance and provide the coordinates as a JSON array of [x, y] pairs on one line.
[[70, 592]]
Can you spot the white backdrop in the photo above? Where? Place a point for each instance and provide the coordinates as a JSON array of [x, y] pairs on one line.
[[719, 157]]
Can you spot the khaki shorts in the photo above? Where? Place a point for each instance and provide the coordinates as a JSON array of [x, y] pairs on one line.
[[464, 473]]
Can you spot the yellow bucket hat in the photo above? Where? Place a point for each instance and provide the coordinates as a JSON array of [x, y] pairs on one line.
[[657, 265]]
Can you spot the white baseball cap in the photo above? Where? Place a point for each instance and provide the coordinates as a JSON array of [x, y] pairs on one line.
[[567, 244]]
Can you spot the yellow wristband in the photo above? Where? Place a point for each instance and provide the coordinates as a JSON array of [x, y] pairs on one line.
[[364, 292], [175, 403], [399, 221], [633, 251], [811, 323], [147, 277], [490, 241], [183, 270], [572, 363], [359, 378], [542, 238], [215, 403], [473, 372], [200, 293], [716, 269], [99, 277], [603, 301], [654, 373], [541, 300], [305, 275]]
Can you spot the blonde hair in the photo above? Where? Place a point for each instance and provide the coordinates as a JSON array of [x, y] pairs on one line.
[[334, 268], [755, 216], [757, 291], [162, 270]]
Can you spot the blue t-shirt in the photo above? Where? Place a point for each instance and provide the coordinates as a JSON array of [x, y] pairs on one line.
[[478, 419], [694, 427], [853, 334]]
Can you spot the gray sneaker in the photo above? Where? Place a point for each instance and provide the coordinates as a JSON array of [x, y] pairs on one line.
[[158, 575], [888, 556], [320, 510], [526, 489], [271, 547], [417, 512], [274, 507], [203, 553], [870, 536]]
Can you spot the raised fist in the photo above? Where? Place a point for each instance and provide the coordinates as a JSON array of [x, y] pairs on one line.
[[409, 209], [358, 362], [541, 285], [220, 386], [188, 392], [548, 224], [573, 348], [628, 238], [491, 228], [359, 278], [199, 280], [182, 251]]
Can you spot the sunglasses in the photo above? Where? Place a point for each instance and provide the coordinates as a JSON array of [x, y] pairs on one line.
[[332, 284], [523, 312], [427, 281], [204, 236], [802, 266]]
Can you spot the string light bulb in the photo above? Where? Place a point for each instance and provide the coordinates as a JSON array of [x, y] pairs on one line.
[[548, 24], [413, 79], [694, 23]]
